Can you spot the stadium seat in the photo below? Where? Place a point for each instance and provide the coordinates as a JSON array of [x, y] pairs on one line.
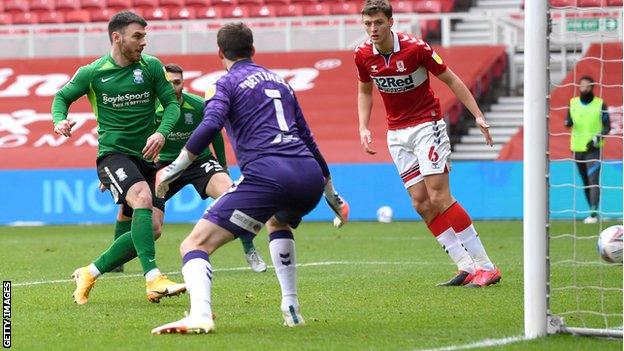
[[235, 12], [25, 18], [15, 6], [292, 10], [618, 3], [250, 2], [102, 15], [345, 8], [562, 3], [77, 16], [41, 6], [277, 2], [196, 3], [182, 13], [5, 19], [66, 5], [170, 3], [92, 4], [316, 10], [303, 2], [592, 3], [402, 7], [427, 6], [210, 12], [447, 5], [118, 5], [144, 4], [262, 11], [156, 14], [51, 17]]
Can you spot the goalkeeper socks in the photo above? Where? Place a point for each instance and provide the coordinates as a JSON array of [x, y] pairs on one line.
[[143, 238], [445, 235], [121, 251], [462, 225], [197, 273], [282, 248], [122, 227], [247, 244]]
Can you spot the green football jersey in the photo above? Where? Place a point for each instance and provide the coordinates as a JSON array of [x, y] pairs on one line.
[[191, 115], [123, 100]]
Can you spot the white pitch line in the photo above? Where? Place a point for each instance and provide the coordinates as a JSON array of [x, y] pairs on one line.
[[480, 344], [232, 269]]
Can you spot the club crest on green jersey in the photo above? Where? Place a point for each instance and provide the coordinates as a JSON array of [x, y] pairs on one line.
[[138, 76], [188, 118]]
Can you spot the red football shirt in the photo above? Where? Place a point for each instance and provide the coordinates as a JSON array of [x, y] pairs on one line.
[[403, 79]]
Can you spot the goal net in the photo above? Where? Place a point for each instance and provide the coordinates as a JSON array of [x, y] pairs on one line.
[[585, 293]]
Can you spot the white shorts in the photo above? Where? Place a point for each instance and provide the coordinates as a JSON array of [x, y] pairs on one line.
[[420, 150]]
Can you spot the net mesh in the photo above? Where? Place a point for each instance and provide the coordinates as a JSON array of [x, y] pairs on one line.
[[584, 290]]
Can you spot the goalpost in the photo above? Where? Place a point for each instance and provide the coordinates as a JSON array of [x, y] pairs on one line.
[[589, 278]]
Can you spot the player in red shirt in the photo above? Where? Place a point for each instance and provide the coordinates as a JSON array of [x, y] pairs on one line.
[[399, 65]]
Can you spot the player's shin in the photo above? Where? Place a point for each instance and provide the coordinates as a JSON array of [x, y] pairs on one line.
[[197, 273], [283, 255], [445, 235], [465, 230], [121, 251], [143, 240]]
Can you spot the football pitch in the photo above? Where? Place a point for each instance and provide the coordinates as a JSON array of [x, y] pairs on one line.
[[367, 286]]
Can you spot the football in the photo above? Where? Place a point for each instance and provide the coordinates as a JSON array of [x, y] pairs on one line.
[[384, 214], [610, 244]]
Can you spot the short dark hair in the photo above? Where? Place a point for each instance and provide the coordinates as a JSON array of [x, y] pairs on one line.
[[121, 20], [173, 68], [372, 7], [235, 41], [587, 78]]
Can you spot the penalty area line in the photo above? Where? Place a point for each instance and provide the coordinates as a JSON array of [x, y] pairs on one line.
[[233, 269], [481, 344]]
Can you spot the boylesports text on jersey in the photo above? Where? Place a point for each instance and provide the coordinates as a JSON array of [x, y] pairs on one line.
[[126, 99], [399, 84]]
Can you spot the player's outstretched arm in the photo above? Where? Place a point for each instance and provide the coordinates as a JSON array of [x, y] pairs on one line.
[[463, 94], [365, 106], [165, 176]]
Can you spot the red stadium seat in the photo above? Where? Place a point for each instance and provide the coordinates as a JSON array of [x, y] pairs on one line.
[[182, 13], [223, 3], [5, 19], [25, 18], [144, 4], [156, 14], [303, 2], [428, 6], [235, 12], [592, 3], [51, 17], [40, 6], [92, 4], [250, 2], [316, 10], [171, 3], [77, 16], [118, 5], [277, 2], [345, 8], [210, 12], [197, 3], [67, 5], [618, 3], [262, 11], [292, 10], [447, 5], [402, 7], [15, 6], [562, 3], [102, 15]]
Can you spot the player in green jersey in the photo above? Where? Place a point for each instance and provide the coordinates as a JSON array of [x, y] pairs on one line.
[[123, 88], [208, 175]]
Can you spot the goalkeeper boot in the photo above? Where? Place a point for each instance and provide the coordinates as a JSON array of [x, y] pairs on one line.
[[84, 283], [461, 278], [292, 317], [256, 263], [187, 325], [160, 287], [484, 278]]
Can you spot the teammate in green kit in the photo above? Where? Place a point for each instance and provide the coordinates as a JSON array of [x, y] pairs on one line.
[[123, 88], [208, 175]]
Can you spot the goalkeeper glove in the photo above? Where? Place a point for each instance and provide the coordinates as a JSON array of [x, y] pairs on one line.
[[593, 143], [167, 175], [337, 204]]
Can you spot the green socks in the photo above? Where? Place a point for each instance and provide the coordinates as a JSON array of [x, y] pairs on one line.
[[120, 252], [122, 227], [247, 244], [143, 238]]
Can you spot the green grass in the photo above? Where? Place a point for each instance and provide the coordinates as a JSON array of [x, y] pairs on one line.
[[379, 294]]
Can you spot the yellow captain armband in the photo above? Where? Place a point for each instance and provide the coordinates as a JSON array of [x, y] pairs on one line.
[[210, 92]]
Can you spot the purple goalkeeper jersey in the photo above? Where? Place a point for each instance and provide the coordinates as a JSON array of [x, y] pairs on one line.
[[261, 115]]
